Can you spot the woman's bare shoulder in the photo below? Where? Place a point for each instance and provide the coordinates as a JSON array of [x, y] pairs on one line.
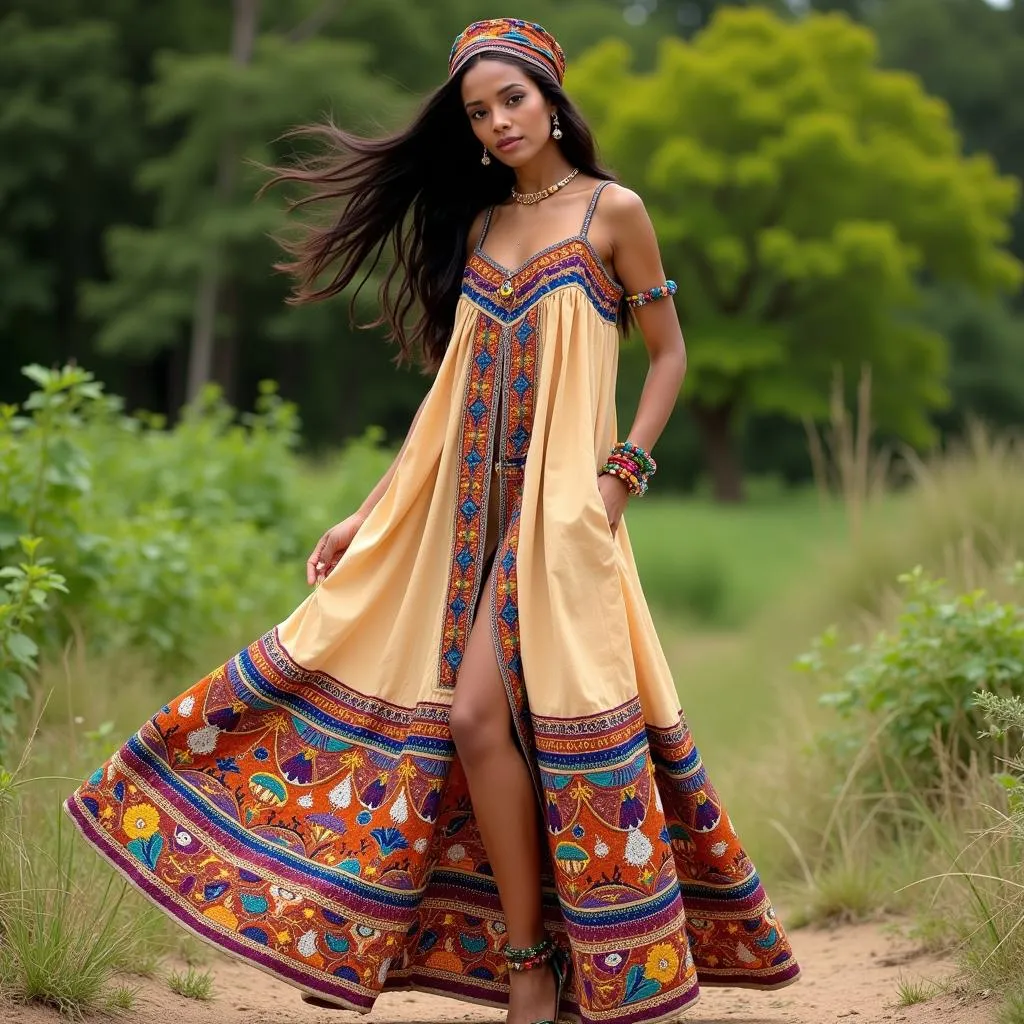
[[622, 204]]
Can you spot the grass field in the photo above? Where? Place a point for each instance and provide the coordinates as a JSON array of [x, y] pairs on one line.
[[718, 565]]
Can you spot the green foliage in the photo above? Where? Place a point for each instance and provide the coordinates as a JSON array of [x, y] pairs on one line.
[[799, 193], [226, 117], [911, 692], [986, 339], [993, 950], [971, 53], [1005, 716], [60, 93], [24, 598], [158, 533]]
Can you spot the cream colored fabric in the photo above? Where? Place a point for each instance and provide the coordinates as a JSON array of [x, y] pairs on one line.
[[588, 642]]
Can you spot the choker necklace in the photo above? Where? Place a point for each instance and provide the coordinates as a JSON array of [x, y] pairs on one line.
[[529, 198]]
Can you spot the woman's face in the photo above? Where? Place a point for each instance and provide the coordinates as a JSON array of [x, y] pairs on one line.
[[508, 112]]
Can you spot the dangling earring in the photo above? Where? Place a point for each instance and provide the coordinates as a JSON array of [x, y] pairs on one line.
[[556, 132], [486, 158]]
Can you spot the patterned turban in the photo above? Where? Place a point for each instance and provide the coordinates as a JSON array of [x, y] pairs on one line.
[[512, 37]]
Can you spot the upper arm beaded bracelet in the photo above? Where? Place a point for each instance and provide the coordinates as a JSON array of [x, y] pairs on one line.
[[661, 292]]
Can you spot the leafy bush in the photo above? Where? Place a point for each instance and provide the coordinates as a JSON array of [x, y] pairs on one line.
[[24, 600], [1005, 716], [155, 539], [910, 694]]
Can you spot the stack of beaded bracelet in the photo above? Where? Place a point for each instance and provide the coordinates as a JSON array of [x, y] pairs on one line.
[[631, 464], [530, 957], [661, 292]]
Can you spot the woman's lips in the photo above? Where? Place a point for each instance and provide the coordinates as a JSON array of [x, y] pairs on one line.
[[507, 144]]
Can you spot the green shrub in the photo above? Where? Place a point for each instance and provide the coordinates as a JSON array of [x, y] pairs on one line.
[[910, 693], [161, 537], [25, 591]]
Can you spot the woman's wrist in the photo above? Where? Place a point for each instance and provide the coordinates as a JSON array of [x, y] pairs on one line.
[[623, 484], [631, 464]]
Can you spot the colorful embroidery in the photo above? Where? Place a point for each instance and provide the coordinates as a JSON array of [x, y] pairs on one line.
[[329, 838], [523, 39], [519, 390], [572, 263], [475, 458]]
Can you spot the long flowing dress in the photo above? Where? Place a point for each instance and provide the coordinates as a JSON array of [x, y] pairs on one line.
[[303, 807]]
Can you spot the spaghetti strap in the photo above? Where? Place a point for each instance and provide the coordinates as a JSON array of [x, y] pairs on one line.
[[485, 229], [593, 206]]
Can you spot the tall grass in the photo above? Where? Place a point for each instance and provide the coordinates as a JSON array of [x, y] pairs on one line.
[[66, 936], [73, 935], [962, 515]]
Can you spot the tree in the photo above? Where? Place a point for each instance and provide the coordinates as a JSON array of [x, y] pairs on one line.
[[972, 55], [800, 195], [64, 105], [244, 29], [210, 238]]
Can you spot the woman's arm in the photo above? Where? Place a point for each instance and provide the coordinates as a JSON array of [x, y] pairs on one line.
[[637, 264]]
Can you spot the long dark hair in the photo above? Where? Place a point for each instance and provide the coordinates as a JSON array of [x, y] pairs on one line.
[[410, 197]]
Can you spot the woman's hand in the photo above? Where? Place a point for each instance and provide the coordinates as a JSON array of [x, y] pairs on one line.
[[615, 494], [331, 546]]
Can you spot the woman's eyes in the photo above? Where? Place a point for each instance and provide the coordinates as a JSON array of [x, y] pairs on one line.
[[516, 99]]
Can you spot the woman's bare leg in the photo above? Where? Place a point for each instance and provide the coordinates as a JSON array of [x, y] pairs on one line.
[[506, 810]]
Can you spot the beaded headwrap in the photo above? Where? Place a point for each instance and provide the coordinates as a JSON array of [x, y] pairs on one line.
[[523, 39]]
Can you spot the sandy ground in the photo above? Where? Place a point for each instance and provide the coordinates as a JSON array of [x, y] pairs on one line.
[[850, 976]]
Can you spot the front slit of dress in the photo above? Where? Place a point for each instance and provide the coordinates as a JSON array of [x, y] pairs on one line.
[[515, 386]]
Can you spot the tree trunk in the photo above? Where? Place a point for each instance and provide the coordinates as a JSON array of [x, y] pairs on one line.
[[204, 321], [721, 455]]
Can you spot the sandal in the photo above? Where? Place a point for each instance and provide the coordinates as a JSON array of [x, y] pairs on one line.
[[532, 957]]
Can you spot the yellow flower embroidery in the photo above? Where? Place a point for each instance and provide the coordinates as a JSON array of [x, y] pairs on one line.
[[141, 821], [662, 963]]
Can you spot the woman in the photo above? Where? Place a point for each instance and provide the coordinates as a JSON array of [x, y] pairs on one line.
[[357, 800]]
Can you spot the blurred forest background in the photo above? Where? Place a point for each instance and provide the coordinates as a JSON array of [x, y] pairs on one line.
[[829, 193]]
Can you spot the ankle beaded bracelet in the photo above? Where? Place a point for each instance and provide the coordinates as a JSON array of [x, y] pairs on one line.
[[527, 958]]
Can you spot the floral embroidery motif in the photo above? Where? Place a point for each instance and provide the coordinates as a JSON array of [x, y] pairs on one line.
[[326, 887]]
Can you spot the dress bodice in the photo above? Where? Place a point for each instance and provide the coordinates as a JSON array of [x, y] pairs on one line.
[[508, 294]]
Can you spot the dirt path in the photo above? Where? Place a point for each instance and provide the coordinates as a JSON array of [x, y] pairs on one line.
[[850, 976]]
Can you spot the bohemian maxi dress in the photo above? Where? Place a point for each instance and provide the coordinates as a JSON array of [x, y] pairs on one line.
[[303, 807]]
